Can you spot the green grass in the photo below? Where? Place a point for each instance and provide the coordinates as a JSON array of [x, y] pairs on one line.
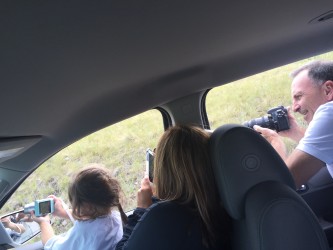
[[121, 147]]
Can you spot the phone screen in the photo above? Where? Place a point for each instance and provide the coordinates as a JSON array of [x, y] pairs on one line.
[[150, 164]]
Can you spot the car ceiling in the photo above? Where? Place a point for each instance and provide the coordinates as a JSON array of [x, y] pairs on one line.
[[69, 68]]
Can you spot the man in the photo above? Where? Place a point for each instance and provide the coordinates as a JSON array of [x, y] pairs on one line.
[[312, 97]]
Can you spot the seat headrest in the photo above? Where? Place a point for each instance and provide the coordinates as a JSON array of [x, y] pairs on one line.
[[242, 158]]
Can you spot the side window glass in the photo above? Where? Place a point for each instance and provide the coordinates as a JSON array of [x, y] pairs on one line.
[[252, 97], [120, 147]]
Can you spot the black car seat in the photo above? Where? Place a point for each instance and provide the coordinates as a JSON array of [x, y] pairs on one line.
[[259, 194]]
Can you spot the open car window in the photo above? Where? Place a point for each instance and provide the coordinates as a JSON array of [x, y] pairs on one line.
[[250, 98], [120, 147]]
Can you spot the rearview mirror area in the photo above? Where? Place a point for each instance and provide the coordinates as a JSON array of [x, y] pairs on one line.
[[16, 228]]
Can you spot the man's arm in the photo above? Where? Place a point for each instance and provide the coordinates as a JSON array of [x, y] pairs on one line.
[[303, 166]]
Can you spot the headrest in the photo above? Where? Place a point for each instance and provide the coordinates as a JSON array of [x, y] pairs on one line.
[[242, 158]]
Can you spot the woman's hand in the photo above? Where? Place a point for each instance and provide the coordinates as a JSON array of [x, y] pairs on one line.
[[144, 194]]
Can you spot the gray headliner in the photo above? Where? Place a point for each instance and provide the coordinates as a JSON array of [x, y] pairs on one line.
[[70, 68]]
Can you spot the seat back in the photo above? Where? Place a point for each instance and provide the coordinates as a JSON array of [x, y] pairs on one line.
[[258, 192]]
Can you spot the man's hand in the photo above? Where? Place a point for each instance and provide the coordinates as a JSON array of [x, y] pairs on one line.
[[144, 194], [295, 132], [274, 139]]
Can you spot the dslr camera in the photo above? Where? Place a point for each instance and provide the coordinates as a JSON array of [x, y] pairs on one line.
[[277, 119]]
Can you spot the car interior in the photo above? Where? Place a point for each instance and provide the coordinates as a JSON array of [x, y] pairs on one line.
[[71, 69]]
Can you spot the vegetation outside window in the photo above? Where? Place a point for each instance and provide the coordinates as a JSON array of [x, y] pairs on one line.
[[120, 147]]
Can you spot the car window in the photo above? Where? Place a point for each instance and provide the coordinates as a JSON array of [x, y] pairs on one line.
[[252, 97], [120, 147]]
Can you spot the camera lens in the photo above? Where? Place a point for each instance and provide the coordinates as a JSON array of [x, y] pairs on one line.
[[264, 122], [277, 120]]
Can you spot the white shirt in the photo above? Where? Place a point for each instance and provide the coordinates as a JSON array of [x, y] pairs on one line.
[[101, 233], [318, 138]]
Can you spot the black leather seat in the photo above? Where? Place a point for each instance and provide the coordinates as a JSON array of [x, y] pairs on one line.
[[258, 192]]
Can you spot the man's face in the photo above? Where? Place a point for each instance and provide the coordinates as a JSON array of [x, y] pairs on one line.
[[306, 96]]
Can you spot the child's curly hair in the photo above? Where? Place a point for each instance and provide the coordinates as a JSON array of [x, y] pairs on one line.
[[93, 192]]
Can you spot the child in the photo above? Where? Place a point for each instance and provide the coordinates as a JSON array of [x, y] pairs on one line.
[[93, 194]]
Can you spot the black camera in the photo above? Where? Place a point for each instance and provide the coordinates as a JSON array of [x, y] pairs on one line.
[[277, 119]]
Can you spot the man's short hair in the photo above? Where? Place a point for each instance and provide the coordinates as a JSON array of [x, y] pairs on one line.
[[319, 71]]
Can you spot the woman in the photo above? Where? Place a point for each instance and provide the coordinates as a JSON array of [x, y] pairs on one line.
[[93, 194], [183, 174]]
